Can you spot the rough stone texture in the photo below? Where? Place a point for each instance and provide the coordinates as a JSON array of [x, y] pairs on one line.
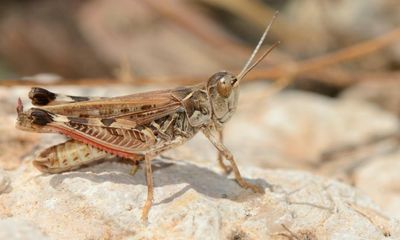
[[4, 182], [14, 145], [192, 197], [192, 202], [17, 229]]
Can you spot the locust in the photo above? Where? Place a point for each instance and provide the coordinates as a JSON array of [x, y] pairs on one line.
[[137, 127]]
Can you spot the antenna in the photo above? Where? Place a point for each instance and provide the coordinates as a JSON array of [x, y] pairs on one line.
[[258, 60], [246, 68]]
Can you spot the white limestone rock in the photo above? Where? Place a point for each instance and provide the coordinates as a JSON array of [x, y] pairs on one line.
[[192, 199], [192, 202], [17, 229], [4, 182]]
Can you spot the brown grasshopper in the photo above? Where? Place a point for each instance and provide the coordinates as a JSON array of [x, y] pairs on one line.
[[137, 127]]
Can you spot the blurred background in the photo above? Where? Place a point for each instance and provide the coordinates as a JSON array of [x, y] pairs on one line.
[[335, 77], [182, 42]]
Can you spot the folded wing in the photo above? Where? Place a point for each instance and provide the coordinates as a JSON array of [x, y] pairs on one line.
[[118, 125]]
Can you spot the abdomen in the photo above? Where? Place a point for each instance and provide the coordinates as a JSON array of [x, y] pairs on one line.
[[68, 156]]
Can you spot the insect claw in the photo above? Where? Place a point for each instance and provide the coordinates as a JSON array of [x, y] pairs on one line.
[[228, 170], [256, 189], [134, 169], [246, 185]]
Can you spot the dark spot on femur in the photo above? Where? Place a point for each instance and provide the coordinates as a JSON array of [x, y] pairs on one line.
[[79, 99], [84, 115], [107, 121], [41, 96], [78, 120], [124, 110], [146, 107], [41, 117]]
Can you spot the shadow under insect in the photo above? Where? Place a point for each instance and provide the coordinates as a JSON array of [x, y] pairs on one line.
[[200, 179]]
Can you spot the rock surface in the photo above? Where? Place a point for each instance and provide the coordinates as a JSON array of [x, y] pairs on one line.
[[4, 182], [191, 202], [193, 199], [17, 229]]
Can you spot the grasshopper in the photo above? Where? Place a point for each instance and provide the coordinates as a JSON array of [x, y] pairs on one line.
[[136, 127]]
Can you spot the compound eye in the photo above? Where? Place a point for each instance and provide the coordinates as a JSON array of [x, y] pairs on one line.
[[224, 88]]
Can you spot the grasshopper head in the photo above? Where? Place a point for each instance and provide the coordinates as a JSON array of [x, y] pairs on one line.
[[222, 87]]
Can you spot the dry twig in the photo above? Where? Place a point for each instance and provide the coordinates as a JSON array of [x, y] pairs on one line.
[[319, 63]]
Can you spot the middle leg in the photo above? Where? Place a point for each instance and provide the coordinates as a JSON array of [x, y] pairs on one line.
[[150, 187]]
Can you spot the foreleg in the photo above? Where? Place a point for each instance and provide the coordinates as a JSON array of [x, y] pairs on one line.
[[220, 156], [210, 133]]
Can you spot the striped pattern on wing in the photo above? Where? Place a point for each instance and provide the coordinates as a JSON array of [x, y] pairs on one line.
[[119, 141], [126, 139]]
